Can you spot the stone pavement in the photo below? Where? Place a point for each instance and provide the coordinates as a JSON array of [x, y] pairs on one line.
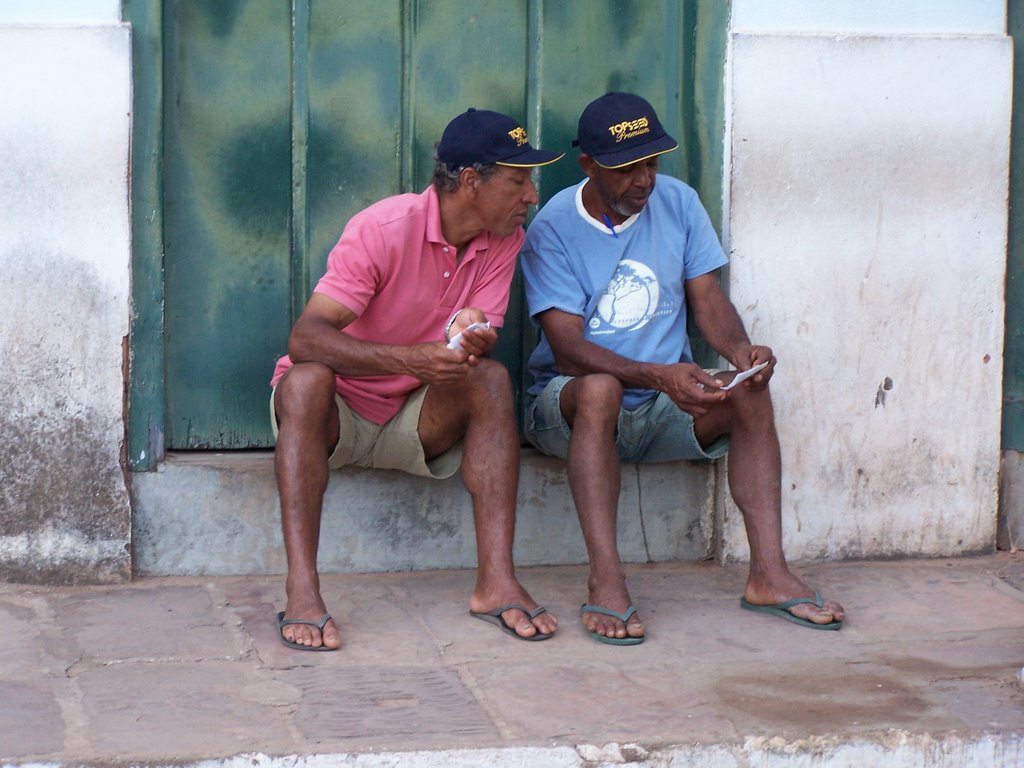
[[188, 671]]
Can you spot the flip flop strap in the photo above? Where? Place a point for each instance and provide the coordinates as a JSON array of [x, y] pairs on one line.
[[318, 624], [518, 607], [817, 601], [623, 617]]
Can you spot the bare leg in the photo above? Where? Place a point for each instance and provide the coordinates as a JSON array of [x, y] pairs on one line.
[[755, 470], [591, 406], [308, 420], [481, 409]]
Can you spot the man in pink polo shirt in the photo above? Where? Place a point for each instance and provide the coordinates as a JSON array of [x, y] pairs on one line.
[[387, 367]]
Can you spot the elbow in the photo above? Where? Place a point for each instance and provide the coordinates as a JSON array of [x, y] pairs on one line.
[[298, 347]]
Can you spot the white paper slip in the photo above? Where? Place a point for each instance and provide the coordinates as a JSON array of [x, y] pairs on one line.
[[744, 375], [456, 341]]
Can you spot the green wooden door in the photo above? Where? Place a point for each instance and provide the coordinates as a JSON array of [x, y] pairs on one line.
[[278, 120]]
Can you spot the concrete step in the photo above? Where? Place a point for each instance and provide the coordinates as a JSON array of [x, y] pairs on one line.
[[218, 515]]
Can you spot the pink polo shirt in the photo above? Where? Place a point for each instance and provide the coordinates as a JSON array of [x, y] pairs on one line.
[[393, 268]]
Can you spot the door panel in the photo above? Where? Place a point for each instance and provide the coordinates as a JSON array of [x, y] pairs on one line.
[[354, 155], [227, 211]]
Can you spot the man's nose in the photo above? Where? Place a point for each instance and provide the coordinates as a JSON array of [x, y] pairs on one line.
[[530, 193]]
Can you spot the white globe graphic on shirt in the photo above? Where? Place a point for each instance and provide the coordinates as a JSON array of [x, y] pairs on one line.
[[631, 297]]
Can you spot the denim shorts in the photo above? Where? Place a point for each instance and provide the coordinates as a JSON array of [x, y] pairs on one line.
[[658, 430]]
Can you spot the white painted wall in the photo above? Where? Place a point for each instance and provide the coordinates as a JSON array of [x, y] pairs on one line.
[[867, 225], [64, 12], [64, 289], [881, 17]]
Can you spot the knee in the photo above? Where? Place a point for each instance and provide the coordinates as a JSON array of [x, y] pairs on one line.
[[599, 393], [750, 404], [492, 378], [305, 388]]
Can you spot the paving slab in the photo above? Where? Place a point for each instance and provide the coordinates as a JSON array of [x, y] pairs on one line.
[[188, 671]]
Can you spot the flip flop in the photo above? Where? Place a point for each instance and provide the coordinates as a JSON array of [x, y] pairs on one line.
[[282, 622], [782, 611], [623, 617], [494, 617]]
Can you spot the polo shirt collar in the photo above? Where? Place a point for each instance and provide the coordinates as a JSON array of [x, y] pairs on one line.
[[434, 233]]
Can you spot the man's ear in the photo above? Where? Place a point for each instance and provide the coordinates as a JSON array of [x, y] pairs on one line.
[[469, 179], [587, 164]]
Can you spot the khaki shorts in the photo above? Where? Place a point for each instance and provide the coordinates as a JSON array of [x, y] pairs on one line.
[[392, 445]]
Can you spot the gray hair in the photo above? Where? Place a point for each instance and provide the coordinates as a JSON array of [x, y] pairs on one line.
[[446, 180]]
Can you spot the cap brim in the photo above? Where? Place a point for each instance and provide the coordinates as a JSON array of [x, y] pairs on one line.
[[532, 158], [635, 153]]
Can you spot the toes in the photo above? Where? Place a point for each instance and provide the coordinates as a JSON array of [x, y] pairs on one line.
[[297, 636], [615, 629], [519, 621], [836, 610], [310, 637], [609, 627], [546, 623], [331, 635], [817, 615]]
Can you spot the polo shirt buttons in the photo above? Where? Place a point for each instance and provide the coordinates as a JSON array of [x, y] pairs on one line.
[[445, 249], [447, 274]]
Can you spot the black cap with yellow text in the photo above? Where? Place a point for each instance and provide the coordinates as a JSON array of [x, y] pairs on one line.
[[621, 128], [485, 137]]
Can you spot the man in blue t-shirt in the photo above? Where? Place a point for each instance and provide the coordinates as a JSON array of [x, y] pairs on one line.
[[610, 266]]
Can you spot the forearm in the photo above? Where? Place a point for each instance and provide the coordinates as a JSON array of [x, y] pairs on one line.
[[720, 325], [345, 355], [584, 357]]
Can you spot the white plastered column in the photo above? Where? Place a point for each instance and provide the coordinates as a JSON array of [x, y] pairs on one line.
[[867, 205], [65, 116]]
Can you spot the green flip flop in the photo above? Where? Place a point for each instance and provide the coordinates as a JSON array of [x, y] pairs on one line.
[[623, 617], [782, 611]]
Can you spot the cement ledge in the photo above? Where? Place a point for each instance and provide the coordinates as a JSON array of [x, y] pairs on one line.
[[203, 514]]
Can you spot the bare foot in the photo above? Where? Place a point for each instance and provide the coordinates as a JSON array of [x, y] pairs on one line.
[[487, 598], [778, 588]]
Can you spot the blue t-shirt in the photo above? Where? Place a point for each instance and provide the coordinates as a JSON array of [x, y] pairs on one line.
[[628, 285]]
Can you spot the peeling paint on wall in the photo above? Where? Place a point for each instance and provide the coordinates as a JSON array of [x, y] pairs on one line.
[[63, 498], [884, 387]]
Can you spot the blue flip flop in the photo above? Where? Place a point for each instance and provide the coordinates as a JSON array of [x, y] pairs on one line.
[[782, 611], [623, 617]]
